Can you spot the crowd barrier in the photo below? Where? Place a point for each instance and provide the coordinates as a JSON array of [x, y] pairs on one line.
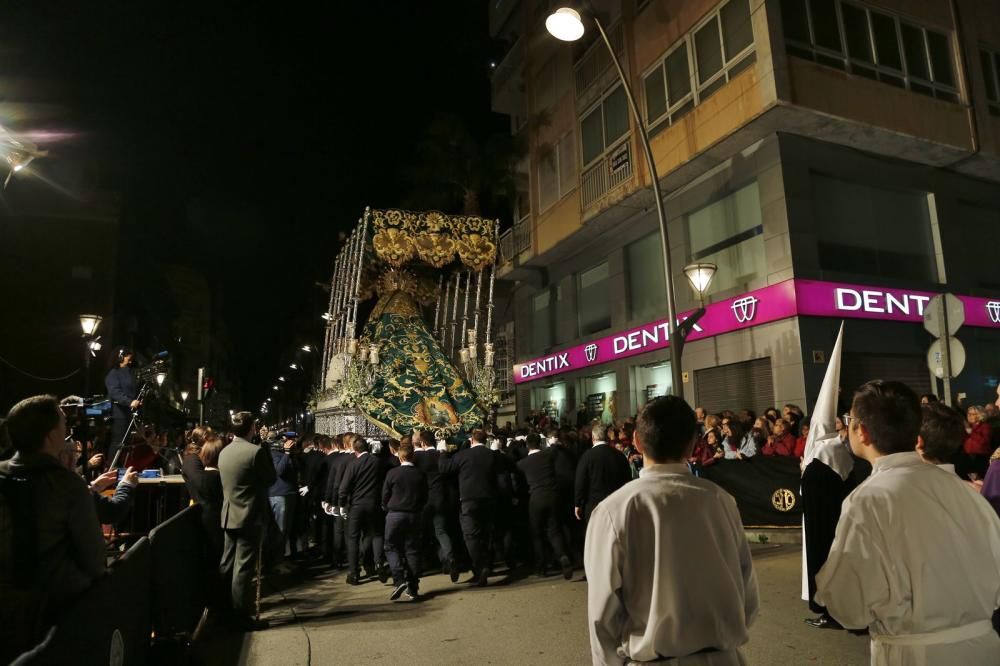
[[766, 489], [157, 588]]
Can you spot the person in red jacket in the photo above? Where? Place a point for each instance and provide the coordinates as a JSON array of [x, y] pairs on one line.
[[976, 448], [781, 442], [800, 443]]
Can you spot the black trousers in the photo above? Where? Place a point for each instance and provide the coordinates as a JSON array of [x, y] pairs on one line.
[[403, 536], [239, 559], [369, 519], [545, 518], [477, 519], [436, 521]]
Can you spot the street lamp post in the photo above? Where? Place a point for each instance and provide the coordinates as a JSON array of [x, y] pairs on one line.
[[89, 323], [566, 25]]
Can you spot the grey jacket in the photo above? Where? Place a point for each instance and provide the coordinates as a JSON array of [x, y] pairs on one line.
[[247, 472], [69, 545]]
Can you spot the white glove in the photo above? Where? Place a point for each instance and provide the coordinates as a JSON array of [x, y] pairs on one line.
[[343, 512], [325, 507], [442, 445], [303, 491]]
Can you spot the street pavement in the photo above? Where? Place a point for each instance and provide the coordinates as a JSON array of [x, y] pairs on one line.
[[322, 620]]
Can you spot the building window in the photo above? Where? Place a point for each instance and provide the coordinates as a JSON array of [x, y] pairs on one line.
[[729, 234], [869, 43], [710, 55], [604, 124], [594, 305], [541, 326], [864, 230], [991, 72], [644, 268], [556, 171]]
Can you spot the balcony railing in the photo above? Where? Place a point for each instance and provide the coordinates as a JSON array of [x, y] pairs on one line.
[[515, 240], [612, 170], [596, 61]]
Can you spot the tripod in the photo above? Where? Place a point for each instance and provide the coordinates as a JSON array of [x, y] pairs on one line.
[[122, 445]]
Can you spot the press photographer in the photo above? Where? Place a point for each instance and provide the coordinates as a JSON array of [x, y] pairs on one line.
[[124, 396]]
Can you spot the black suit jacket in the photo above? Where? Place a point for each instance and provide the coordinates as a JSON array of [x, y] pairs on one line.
[[564, 461], [427, 462], [603, 469], [540, 473], [405, 489], [476, 468], [336, 465], [362, 482]]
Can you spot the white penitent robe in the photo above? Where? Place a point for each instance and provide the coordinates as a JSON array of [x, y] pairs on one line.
[[669, 572], [916, 559]]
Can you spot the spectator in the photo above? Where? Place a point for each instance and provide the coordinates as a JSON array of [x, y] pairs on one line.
[[699, 415], [747, 417], [781, 442], [246, 472], [637, 588], [794, 415], [927, 398], [708, 450], [737, 444], [976, 446], [192, 468], [771, 414], [941, 433], [63, 550], [284, 492], [800, 442]]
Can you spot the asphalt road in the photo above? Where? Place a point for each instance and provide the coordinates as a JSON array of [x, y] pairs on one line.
[[322, 620]]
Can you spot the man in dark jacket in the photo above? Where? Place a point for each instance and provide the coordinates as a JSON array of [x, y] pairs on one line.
[[476, 468], [404, 495], [543, 508], [340, 459], [360, 492], [439, 509], [124, 399], [283, 493], [602, 470], [247, 472]]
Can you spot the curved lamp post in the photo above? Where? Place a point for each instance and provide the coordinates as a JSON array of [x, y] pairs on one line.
[[567, 25]]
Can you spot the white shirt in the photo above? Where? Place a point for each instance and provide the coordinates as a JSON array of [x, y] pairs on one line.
[[406, 464], [599, 443], [917, 551], [533, 451], [669, 572]]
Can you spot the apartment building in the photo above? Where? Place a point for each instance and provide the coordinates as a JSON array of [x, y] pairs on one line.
[[838, 160]]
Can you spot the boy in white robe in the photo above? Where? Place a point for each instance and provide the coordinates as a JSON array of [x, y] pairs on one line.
[[916, 558], [668, 566]]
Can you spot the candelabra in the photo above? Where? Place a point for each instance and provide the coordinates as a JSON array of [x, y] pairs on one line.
[[479, 372], [362, 368]]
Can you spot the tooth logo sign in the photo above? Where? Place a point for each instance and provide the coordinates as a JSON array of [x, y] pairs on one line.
[[745, 309], [993, 309], [591, 352]]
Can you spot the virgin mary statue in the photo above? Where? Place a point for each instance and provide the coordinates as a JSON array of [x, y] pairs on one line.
[[416, 387]]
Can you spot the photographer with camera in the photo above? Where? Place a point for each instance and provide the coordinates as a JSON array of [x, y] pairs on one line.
[[124, 395]]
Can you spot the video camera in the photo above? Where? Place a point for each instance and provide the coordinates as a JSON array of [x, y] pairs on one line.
[[160, 365]]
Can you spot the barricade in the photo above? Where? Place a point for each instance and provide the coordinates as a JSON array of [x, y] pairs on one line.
[[109, 623], [766, 489], [180, 579]]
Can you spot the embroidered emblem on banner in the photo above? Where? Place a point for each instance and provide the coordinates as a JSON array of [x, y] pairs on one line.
[[591, 352], [783, 500], [993, 310], [745, 309]]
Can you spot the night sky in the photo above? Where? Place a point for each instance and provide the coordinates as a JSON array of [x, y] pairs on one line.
[[244, 138]]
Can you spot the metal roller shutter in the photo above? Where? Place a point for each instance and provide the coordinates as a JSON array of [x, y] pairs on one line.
[[746, 385], [860, 368]]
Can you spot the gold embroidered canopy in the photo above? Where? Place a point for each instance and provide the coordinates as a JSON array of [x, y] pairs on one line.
[[401, 237]]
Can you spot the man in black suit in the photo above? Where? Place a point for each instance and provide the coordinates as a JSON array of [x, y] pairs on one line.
[[337, 461], [404, 495], [438, 509], [538, 468], [360, 493], [476, 468], [312, 462], [603, 469]]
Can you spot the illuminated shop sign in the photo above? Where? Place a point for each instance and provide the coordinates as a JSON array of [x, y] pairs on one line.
[[776, 302]]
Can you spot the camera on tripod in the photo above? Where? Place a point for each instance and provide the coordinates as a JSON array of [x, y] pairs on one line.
[[156, 371]]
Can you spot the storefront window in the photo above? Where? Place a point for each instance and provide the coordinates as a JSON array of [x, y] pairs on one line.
[[594, 306], [644, 268], [864, 230], [550, 400], [599, 397], [650, 381], [729, 234]]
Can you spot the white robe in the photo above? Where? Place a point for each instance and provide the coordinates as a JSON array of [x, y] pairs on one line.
[[917, 552], [669, 572]]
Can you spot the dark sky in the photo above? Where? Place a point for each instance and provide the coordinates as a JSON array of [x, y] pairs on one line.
[[244, 137]]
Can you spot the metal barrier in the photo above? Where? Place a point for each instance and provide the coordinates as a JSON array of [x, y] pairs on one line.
[[180, 573]]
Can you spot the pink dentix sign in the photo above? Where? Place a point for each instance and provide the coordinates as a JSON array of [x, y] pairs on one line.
[[780, 301]]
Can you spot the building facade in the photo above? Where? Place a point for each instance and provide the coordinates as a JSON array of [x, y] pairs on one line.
[[837, 160]]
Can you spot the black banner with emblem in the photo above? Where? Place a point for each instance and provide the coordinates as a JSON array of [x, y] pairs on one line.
[[766, 489]]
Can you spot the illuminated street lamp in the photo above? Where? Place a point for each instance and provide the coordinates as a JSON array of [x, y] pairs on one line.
[[566, 25], [700, 276], [281, 379], [275, 387], [160, 378], [90, 323], [293, 366], [326, 316], [184, 396], [307, 348]]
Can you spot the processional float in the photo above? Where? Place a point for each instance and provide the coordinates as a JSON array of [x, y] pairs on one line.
[[399, 373]]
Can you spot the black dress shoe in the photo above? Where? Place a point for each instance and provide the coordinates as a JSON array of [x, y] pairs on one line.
[[823, 622], [453, 571], [353, 580], [383, 573], [567, 567], [484, 577], [412, 593]]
